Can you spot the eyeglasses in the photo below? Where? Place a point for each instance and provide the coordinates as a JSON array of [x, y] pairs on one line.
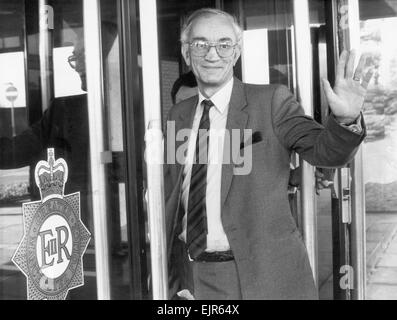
[[200, 48], [73, 60]]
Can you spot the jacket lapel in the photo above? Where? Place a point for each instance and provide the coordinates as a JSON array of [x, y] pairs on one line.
[[237, 119], [187, 112], [186, 122]]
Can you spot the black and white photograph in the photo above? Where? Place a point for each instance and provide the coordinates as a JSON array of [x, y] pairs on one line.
[[211, 150]]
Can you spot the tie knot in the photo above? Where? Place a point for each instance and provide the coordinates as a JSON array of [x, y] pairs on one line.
[[207, 104]]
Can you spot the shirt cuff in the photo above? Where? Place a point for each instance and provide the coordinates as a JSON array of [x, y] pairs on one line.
[[355, 126]]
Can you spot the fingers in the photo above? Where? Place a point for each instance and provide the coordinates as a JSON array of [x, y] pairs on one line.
[[322, 184], [319, 174], [360, 68], [367, 78], [329, 93], [345, 70], [325, 183], [327, 86], [340, 71], [185, 294], [319, 177], [321, 181], [350, 64]]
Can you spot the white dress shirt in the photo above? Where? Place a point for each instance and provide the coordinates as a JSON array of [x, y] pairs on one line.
[[216, 237]]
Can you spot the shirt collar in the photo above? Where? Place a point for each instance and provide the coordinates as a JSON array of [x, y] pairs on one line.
[[221, 98]]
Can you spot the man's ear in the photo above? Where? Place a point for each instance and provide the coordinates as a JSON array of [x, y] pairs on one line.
[[186, 54]]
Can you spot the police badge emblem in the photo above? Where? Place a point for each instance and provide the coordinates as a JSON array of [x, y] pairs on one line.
[[51, 251]]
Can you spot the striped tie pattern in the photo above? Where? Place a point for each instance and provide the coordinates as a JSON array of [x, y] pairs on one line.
[[196, 237]]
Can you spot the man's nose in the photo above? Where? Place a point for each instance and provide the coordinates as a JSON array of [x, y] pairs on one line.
[[212, 54]]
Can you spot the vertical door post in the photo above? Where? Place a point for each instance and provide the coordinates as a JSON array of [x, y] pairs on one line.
[[154, 147], [305, 96], [93, 52], [45, 49], [349, 31]]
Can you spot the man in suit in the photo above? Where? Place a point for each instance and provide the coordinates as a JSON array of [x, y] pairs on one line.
[[186, 86], [230, 235]]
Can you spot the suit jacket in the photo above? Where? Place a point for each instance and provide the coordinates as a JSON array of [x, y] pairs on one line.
[[270, 254]]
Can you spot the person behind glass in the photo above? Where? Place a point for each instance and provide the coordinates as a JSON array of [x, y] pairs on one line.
[[63, 126], [232, 236], [184, 87]]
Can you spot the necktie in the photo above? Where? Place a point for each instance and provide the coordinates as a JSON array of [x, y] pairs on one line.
[[196, 237]]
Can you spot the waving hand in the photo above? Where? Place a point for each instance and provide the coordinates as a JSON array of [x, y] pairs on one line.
[[347, 97]]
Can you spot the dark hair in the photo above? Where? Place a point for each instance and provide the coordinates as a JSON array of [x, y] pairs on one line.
[[109, 32], [185, 80]]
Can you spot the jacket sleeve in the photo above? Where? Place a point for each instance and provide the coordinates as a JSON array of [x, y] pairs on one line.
[[25, 148], [332, 145]]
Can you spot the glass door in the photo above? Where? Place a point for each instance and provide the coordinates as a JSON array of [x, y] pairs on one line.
[[367, 187], [73, 229], [269, 57]]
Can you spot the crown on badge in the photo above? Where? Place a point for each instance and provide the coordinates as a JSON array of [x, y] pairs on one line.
[[51, 176]]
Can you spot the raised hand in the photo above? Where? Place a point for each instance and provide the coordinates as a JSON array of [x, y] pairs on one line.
[[347, 98]]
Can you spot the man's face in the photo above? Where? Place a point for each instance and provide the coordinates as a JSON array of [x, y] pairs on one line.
[[211, 71], [79, 53]]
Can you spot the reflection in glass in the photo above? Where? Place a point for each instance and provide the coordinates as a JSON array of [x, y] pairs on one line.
[[62, 126], [12, 66], [269, 25], [66, 80], [14, 182]]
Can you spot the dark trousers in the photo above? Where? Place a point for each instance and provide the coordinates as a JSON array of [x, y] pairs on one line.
[[215, 280]]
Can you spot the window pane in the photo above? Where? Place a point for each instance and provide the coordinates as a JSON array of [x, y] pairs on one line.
[[14, 180]]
